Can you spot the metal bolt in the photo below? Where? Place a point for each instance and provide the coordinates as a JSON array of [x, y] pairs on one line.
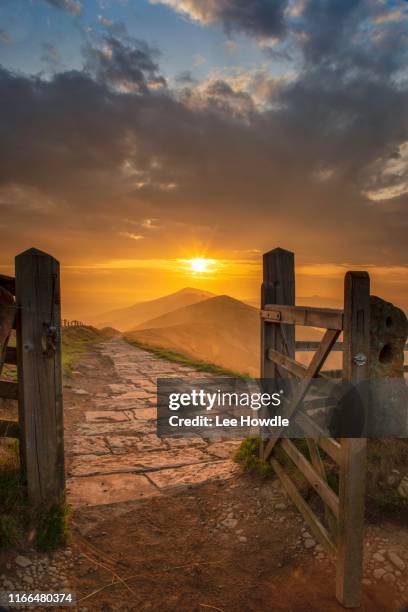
[[360, 359]]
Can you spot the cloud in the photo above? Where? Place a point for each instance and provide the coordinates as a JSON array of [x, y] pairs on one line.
[[51, 56], [150, 224], [117, 28], [390, 175], [220, 95], [105, 21], [238, 161], [185, 78], [71, 6], [124, 63], [261, 18], [131, 235], [236, 90], [352, 34]]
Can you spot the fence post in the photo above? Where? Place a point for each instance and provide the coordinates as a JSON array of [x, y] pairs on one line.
[[278, 287], [356, 351], [39, 368]]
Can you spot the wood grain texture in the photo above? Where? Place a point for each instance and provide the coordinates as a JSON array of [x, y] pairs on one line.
[[292, 366], [303, 315], [356, 342], [278, 287], [311, 372], [314, 478], [40, 384]]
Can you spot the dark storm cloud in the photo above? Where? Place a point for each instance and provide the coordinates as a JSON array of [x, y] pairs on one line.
[[256, 18], [71, 6], [355, 34], [222, 97], [124, 63], [260, 18], [87, 150]]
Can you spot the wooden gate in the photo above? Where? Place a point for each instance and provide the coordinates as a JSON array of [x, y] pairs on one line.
[[35, 315], [341, 530]]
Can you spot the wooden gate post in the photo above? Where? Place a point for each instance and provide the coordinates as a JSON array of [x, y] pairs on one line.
[[39, 376], [356, 351], [278, 287]]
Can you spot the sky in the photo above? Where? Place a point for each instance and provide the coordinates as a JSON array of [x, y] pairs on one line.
[[136, 135]]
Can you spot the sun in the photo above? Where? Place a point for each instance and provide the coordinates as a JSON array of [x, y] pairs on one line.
[[199, 264]]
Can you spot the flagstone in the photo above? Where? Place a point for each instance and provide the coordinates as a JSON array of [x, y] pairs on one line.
[[97, 416], [116, 446], [91, 445], [134, 461], [108, 489], [193, 474]]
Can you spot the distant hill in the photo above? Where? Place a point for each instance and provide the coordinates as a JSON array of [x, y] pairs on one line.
[[220, 330], [131, 316]]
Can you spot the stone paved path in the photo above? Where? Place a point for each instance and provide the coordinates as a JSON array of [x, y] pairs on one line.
[[115, 453]]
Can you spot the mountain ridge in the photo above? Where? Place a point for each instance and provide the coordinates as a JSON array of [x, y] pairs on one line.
[[130, 316], [221, 330]]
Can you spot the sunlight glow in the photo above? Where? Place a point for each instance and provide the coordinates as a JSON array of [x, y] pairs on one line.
[[199, 264]]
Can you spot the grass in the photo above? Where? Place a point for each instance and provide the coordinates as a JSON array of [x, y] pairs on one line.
[[248, 456], [13, 505], [185, 360], [53, 528], [16, 516], [75, 341], [9, 372]]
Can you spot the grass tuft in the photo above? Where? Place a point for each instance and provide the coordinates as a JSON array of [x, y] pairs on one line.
[[52, 529], [75, 341], [248, 456], [13, 505]]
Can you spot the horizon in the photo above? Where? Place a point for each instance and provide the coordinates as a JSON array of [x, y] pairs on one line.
[[311, 300]]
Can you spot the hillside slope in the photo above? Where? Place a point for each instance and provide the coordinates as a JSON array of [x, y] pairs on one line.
[[131, 316], [220, 330]]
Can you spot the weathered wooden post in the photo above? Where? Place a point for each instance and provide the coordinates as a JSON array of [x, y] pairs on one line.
[[278, 287], [356, 369], [389, 395], [40, 384]]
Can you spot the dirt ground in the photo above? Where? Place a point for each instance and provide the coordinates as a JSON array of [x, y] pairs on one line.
[[173, 558], [232, 544]]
